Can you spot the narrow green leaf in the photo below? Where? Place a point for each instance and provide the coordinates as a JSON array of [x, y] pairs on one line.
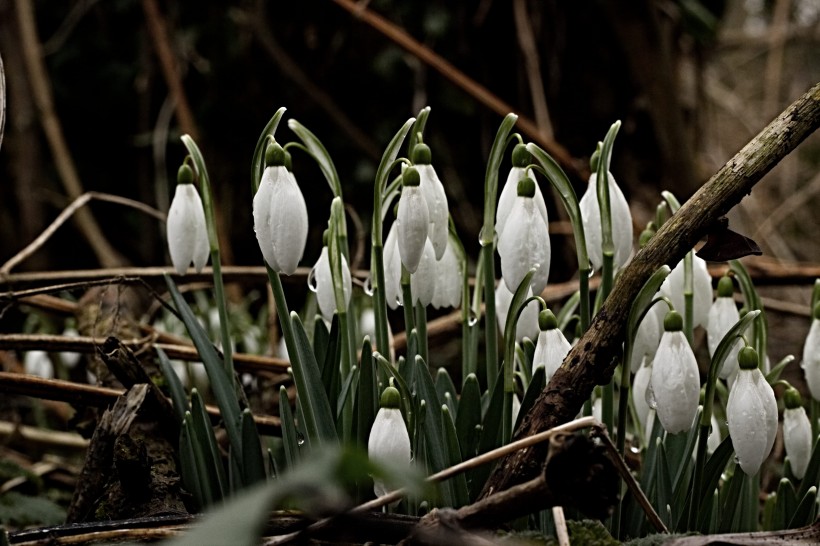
[[444, 384], [331, 375], [458, 483], [729, 515], [537, 384], [469, 417], [290, 438], [812, 475], [321, 340], [777, 369], [188, 466], [320, 155], [368, 398], [663, 486], [253, 461], [715, 466], [221, 385], [313, 402], [349, 385], [568, 310], [203, 433], [806, 510], [753, 302], [491, 176], [785, 505], [418, 127], [490, 435], [258, 162], [175, 387]]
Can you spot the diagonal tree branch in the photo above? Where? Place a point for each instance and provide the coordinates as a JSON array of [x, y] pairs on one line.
[[592, 361]]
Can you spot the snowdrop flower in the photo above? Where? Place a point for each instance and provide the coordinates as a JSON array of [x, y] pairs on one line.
[[38, 363], [751, 413], [714, 438], [723, 314], [186, 228], [525, 241], [448, 282], [280, 217], [434, 196], [70, 359], [675, 378], [323, 284], [672, 288], [389, 443], [639, 392], [520, 159], [413, 220], [647, 338], [797, 435], [527, 325], [811, 355], [551, 347], [423, 281], [392, 267], [621, 219]]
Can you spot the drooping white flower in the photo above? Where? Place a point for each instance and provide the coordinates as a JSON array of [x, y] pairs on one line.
[[647, 338], [434, 196], [751, 413], [675, 378], [525, 241], [412, 219], [527, 325], [672, 288], [389, 443], [797, 436], [811, 355], [186, 229], [520, 159], [392, 268], [423, 281], [621, 219], [323, 278], [723, 314], [38, 363], [449, 278], [639, 388], [280, 217], [552, 346]]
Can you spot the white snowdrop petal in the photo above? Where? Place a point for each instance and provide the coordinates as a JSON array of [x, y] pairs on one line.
[[723, 314], [797, 439], [508, 195], [187, 235], [436, 199], [675, 382], [423, 281], [524, 243], [714, 438], [388, 443], [621, 218], [672, 288], [261, 214], [550, 350], [639, 386], [646, 340], [324, 286], [811, 359], [392, 268], [38, 363], [527, 325], [413, 226], [448, 280], [752, 417], [288, 223]]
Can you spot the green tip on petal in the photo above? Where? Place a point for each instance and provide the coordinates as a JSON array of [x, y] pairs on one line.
[[816, 313], [410, 177], [520, 156], [726, 288], [747, 358], [526, 187], [547, 320], [421, 154], [185, 175], [274, 155], [391, 399], [792, 398], [325, 237], [673, 322], [596, 156]]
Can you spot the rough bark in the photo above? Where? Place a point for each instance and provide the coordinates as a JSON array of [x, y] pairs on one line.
[[592, 361]]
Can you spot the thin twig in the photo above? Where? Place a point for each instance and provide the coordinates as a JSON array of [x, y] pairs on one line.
[[51, 438], [561, 531], [526, 41], [74, 207]]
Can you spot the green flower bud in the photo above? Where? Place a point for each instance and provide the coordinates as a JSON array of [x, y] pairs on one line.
[[410, 177], [421, 154], [747, 358], [274, 155], [547, 320], [673, 322], [792, 398], [391, 399], [725, 287], [521, 157], [526, 187], [185, 175]]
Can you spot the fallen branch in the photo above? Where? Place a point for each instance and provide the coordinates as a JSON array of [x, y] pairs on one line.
[[593, 359]]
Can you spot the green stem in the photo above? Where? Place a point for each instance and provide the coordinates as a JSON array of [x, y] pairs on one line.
[[407, 302], [421, 329], [487, 264], [283, 312], [219, 296], [688, 297], [583, 288], [380, 302]]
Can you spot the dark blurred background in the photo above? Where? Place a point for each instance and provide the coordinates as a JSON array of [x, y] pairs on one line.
[[691, 80]]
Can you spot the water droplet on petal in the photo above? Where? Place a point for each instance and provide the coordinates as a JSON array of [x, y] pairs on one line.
[[591, 270], [472, 319], [650, 397], [368, 286], [300, 440], [311, 280]]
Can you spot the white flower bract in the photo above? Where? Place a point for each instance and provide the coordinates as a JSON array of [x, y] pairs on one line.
[[280, 219], [186, 230], [675, 382], [752, 417], [621, 218]]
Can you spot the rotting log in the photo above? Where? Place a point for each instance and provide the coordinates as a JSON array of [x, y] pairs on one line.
[[593, 359]]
